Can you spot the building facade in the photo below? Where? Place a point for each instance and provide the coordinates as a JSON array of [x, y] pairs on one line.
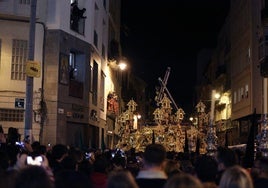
[[72, 41], [237, 70]]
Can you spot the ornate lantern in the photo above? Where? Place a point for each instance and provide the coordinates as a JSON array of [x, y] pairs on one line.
[[132, 106], [181, 114], [201, 107]]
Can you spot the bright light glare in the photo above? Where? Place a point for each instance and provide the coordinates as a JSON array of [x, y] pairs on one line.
[[122, 66], [217, 96]]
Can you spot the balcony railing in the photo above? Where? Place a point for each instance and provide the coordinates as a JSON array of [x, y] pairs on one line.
[[78, 27]]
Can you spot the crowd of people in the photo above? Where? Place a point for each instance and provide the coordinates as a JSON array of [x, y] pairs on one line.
[[25, 165]]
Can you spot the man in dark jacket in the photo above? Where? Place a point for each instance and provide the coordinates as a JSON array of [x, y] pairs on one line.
[[153, 175], [225, 158]]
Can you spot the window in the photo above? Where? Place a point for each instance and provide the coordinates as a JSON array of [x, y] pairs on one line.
[[242, 93], [246, 91], [72, 66], [77, 66], [95, 39], [19, 57], [96, 16], [103, 37], [104, 4], [96, 25], [90, 78], [77, 71], [95, 84], [14, 115]]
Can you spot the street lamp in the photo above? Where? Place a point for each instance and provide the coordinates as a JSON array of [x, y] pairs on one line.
[[191, 119], [122, 65], [217, 95]]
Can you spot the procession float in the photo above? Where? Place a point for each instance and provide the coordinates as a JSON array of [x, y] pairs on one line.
[[167, 130]]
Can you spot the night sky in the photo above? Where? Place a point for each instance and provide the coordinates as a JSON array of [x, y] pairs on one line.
[[169, 33]]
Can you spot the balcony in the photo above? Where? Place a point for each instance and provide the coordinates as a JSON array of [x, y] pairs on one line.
[[78, 26], [77, 19]]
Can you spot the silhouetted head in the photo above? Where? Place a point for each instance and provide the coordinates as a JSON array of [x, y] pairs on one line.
[[154, 154]]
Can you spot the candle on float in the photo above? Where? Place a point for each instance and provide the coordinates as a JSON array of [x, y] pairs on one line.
[[135, 122]]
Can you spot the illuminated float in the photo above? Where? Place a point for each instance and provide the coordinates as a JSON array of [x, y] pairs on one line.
[[168, 131]]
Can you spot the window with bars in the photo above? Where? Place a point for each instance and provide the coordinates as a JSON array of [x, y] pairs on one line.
[[14, 115], [19, 57]]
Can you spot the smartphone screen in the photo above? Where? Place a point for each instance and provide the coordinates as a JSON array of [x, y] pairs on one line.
[[34, 160]]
